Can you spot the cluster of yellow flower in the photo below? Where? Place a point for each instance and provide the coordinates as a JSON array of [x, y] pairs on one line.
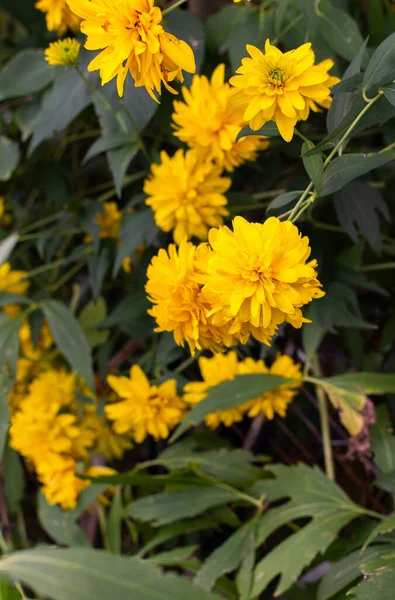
[[143, 409], [243, 282], [58, 16]]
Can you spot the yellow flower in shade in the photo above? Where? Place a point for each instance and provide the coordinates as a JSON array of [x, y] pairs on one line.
[[12, 282], [58, 16], [207, 122], [274, 401], [100, 437], [186, 194], [144, 409], [99, 471], [63, 53], [259, 274], [29, 349], [5, 215], [131, 39], [179, 305], [215, 370], [60, 482], [109, 221], [273, 86]]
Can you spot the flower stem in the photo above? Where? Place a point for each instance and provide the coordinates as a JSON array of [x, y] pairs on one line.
[[104, 103], [325, 428], [378, 267], [173, 7]]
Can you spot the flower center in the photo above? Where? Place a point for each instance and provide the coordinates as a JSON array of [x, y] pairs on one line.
[[257, 274], [277, 76]]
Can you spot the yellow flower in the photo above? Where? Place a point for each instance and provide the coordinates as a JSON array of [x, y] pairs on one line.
[[99, 435], [63, 52], [131, 38], [109, 221], [5, 215], [29, 349], [214, 135], [179, 306], [215, 370], [276, 400], [98, 471], [58, 16], [273, 86], [60, 483], [144, 409], [187, 195], [258, 274], [12, 282]]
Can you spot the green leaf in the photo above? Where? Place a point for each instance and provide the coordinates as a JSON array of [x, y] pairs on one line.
[[9, 157], [98, 265], [310, 495], [60, 524], [132, 308], [109, 142], [343, 574], [26, 73], [178, 529], [244, 578], [344, 169], [169, 507], [229, 555], [9, 341], [92, 315], [7, 591], [357, 207], [340, 308], [379, 580], [368, 383], [5, 387], [312, 333], [14, 479], [231, 466], [119, 161], [254, 27], [114, 523], [383, 441], [283, 200], [389, 93], [69, 338], [339, 30], [383, 527], [314, 166], [376, 21], [6, 247], [282, 9], [380, 69], [269, 129], [136, 228], [56, 113], [82, 573], [229, 395], [26, 117], [310, 16], [173, 558]]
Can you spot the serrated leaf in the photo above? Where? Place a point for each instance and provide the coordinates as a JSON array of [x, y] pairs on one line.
[[343, 574], [244, 578], [169, 507], [27, 72], [339, 308], [310, 495], [380, 69], [227, 557], [9, 157], [383, 527], [344, 169], [81, 573], [379, 580], [69, 338], [228, 395], [369, 383], [269, 129], [314, 166], [339, 30]]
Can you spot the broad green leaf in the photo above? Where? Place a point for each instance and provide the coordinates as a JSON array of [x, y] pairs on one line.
[[82, 573], [339, 30], [314, 166], [269, 129], [136, 228], [228, 395], [60, 524], [281, 12], [69, 338], [389, 93], [26, 73], [344, 169], [169, 507], [380, 69], [92, 315], [310, 16], [254, 27], [119, 161], [383, 441], [221, 24], [286, 200], [109, 142], [368, 383], [386, 481], [4, 414], [229, 555], [383, 527], [310, 495], [376, 21], [179, 529], [379, 580], [14, 479], [9, 157], [231, 466], [312, 333], [343, 574], [114, 523], [132, 308], [26, 117], [357, 207], [244, 578], [340, 308]]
